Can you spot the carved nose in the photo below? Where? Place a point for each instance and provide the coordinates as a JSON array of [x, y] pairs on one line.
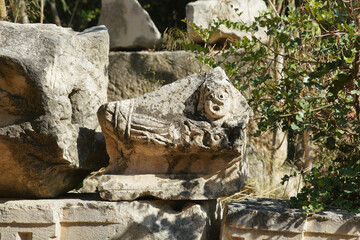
[[218, 101]]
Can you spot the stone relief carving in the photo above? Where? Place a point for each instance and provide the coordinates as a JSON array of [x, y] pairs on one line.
[[216, 100], [215, 108], [192, 127], [129, 125]]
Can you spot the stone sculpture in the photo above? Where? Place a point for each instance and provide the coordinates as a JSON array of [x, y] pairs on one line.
[[188, 136], [52, 80]]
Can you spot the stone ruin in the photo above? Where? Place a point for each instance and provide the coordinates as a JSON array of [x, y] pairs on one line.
[[264, 218], [171, 154], [52, 80], [181, 143], [184, 141]]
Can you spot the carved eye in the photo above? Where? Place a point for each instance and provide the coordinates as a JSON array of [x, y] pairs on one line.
[[223, 95], [216, 137]]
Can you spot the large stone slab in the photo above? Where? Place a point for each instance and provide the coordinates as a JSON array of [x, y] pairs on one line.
[[189, 134], [174, 186], [204, 12], [52, 80], [132, 74], [274, 219], [130, 26], [89, 218]]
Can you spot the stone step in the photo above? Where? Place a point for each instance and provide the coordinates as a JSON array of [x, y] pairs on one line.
[[263, 218], [88, 217]]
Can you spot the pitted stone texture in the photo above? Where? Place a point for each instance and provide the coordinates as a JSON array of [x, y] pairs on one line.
[[132, 74], [91, 219], [203, 13], [130, 26], [274, 219], [191, 129], [52, 80]]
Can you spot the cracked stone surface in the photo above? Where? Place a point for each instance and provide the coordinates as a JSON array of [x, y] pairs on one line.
[[52, 80]]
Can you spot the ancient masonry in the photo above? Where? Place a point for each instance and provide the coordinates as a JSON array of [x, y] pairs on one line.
[[168, 155], [182, 144], [184, 141]]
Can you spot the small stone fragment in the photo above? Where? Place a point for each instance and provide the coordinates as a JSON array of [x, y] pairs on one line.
[[204, 12], [130, 26]]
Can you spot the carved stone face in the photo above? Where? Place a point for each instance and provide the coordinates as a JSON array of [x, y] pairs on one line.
[[217, 101]]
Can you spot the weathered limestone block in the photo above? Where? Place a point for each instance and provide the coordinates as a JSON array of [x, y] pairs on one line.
[[52, 80], [91, 219], [265, 177], [183, 141], [130, 26], [274, 219], [132, 74], [266, 156], [203, 13]]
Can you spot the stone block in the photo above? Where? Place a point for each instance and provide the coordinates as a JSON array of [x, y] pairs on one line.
[[51, 81], [203, 13], [132, 74], [274, 219], [174, 186], [87, 217], [188, 134], [130, 26], [266, 155]]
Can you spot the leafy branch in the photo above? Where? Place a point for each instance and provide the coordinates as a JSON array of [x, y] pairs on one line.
[[305, 78]]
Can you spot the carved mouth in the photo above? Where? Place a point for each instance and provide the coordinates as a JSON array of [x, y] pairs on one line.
[[216, 108]]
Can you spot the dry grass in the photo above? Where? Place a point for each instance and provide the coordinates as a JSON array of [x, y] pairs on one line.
[[254, 189], [175, 38]]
